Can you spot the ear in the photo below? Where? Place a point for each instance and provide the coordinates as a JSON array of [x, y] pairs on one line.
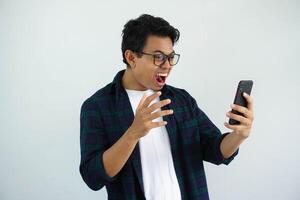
[[130, 58]]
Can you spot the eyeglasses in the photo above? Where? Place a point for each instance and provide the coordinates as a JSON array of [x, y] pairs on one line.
[[159, 59]]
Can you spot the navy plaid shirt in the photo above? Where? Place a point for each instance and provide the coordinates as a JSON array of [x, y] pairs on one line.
[[107, 114]]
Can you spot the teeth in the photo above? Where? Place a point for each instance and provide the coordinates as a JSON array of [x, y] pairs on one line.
[[161, 74]]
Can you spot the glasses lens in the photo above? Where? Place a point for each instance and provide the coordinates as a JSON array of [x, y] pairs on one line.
[[159, 59], [174, 59]]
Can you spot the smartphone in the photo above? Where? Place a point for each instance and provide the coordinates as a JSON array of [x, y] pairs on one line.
[[239, 99]]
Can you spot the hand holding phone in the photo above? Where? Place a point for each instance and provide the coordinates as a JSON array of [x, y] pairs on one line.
[[244, 86]]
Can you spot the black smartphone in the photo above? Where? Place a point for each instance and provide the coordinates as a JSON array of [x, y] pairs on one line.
[[239, 99]]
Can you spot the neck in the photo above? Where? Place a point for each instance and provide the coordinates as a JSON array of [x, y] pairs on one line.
[[129, 82]]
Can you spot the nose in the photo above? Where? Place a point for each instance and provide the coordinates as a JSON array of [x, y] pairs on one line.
[[166, 64]]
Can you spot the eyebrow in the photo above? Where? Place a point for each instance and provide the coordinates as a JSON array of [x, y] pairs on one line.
[[159, 51]]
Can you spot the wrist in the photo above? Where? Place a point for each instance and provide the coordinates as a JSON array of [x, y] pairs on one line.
[[239, 136], [131, 136]]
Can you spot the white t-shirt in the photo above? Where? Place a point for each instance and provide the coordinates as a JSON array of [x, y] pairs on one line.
[[159, 178]]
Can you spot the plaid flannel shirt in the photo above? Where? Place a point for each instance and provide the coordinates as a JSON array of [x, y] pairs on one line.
[[107, 114]]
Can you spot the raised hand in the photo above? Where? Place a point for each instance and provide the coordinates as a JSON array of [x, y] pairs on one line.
[[144, 115]]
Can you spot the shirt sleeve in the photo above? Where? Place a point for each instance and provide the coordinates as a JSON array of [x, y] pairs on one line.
[[93, 143], [210, 137]]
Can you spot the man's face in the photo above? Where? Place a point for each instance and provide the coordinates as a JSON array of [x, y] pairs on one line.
[[146, 73]]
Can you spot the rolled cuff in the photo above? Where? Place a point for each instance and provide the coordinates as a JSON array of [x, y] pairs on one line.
[[100, 166], [94, 174], [220, 158]]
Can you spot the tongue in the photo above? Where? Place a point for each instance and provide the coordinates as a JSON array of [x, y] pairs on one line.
[[160, 79]]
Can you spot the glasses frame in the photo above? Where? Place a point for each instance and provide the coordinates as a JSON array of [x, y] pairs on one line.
[[166, 57]]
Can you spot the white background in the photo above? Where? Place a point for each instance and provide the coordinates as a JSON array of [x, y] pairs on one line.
[[55, 54]]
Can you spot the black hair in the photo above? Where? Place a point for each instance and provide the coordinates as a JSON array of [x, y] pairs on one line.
[[136, 32]]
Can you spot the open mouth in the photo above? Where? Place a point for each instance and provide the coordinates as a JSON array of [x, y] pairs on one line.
[[161, 78]]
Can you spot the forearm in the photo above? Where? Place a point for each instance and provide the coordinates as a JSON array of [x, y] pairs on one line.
[[116, 156], [230, 144]]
